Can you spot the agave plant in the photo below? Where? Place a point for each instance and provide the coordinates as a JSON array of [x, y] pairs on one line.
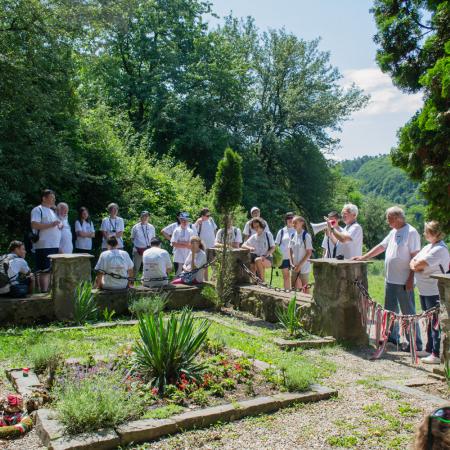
[[169, 347], [84, 308], [290, 318]]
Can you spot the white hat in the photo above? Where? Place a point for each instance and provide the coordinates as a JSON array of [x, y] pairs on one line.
[[255, 208]]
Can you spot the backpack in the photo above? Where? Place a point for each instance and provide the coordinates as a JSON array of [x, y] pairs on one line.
[[4, 268]]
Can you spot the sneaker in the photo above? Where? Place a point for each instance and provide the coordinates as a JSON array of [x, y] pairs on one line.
[[423, 353], [432, 359]]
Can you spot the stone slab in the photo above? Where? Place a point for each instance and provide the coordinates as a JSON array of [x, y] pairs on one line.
[[434, 399], [304, 343], [24, 385], [415, 382], [50, 431], [31, 310]]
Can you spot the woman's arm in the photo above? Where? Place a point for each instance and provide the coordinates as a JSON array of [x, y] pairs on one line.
[[418, 265], [303, 260]]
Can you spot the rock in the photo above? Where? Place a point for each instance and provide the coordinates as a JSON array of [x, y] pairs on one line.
[[24, 385], [100, 440], [145, 430], [47, 427]]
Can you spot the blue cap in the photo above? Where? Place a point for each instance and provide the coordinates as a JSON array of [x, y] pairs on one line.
[[184, 215]]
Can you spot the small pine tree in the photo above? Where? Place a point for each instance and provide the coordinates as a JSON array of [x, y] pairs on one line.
[[227, 191]]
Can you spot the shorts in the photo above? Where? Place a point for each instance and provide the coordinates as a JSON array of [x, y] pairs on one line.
[[286, 264], [19, 290], [43, 261], [253, 256]]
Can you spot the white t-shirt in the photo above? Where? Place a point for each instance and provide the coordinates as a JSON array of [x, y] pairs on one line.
[[248, 231], [437, 256], [207, 232], [51, 237], [111, 226], [354, 247], [169, 229], [84, 243], [182, 235], [156, 263], [261, 243], [299, 249], [16, 265], [399, 244], [200, 259], [114, 261], [282, 240], [66, 244], [142, 234], [234, 235], [329, 245]]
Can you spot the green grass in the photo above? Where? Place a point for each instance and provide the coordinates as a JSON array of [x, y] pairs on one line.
[[163, 412]]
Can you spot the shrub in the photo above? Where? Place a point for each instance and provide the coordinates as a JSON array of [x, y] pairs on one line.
[[85, 308], [94, 403], [200, 397], [296, 379], [44, 356], [108, 315], [153, 304], [290, 318], [168, 348]]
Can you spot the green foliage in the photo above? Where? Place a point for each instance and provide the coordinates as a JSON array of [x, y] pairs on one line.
[[163, 412], [290, 317], [152, 304], [44, 356], [416, 62], [168, 348], [295, 379], [84, 308], [108, 315], [200, 397], [94, 403]]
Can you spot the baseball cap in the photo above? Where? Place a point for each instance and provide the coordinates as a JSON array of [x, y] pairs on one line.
[[255, 208], [184, 215], [145, 213]]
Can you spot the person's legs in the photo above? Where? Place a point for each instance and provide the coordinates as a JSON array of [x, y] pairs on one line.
[[137, 262], [19, 290], [43, 263], [391, 304], [296, 280], [434, 336], [429, 346], [305, 280], [408, 307], [286, 274], [261, 266]]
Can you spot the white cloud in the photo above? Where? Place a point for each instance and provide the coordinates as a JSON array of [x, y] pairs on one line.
[[385, 98]]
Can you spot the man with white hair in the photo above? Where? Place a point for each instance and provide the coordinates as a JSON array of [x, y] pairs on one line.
[[349, 240], [400, 245]]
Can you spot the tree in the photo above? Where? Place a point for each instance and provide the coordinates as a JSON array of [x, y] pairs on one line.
[[414, 40], [227, 192]]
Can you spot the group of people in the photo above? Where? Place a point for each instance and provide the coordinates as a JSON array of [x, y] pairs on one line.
[[406, 264]]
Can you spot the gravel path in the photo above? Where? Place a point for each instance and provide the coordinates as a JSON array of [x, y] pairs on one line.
[[363, 416]]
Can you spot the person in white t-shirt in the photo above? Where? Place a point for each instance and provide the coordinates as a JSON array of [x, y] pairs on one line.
[[261, 246], [141, 236], [112, 226], [168, 230], [329, 247], [47, 230], [348, 241], [157, 264], [282, 240], [117, 262], [300, 251], [255, 213], [206, 228], [234, 236], [20, 280], [85, 231], [400, 245], [181, 242], [433, 258], [195, 259], [66, 244]]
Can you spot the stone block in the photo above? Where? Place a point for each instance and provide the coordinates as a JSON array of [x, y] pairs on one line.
[[31, 310], [47, 427], [23, 385], [99, 440], [145, 430]]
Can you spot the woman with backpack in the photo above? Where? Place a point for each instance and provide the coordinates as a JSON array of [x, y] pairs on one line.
[[234, 236], [261, 246], [282, 240], [194, 260], [85, 232], [300, 251]]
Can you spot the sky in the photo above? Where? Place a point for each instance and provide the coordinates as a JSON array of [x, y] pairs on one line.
[[346, 29]]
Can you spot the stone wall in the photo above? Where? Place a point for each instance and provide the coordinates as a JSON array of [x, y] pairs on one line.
[[35, 309]]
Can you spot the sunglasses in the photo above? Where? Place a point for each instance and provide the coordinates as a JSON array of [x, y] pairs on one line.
[[443, 416]]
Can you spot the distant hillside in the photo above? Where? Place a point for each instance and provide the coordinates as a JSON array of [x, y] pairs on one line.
[[379, 177]]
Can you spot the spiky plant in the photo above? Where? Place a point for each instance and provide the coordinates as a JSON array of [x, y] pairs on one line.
[[290, 317], [85, 308], [169, 347]]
